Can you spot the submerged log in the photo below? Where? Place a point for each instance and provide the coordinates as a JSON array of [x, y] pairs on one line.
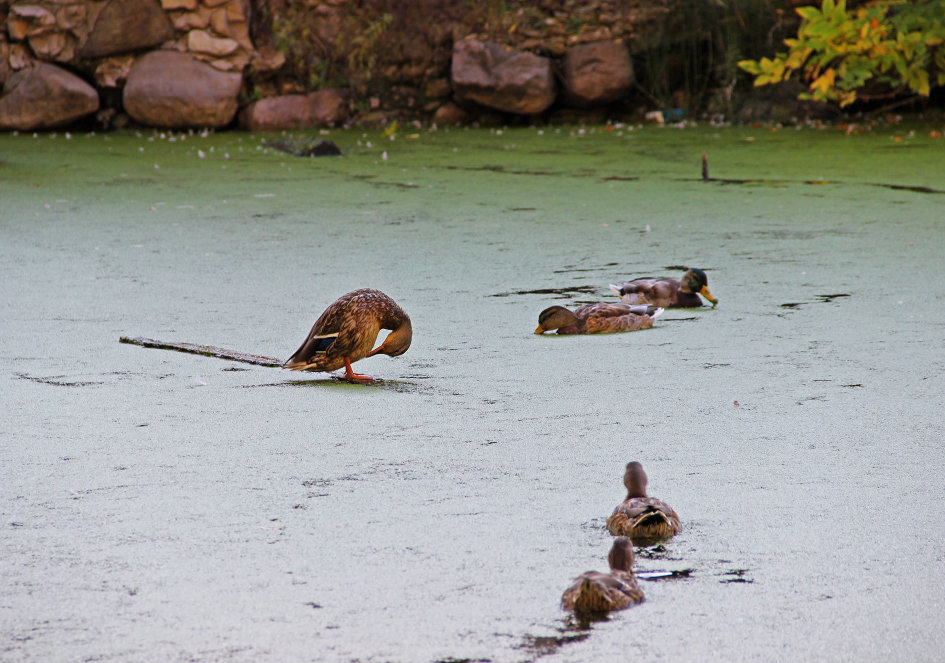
[[205, 350]]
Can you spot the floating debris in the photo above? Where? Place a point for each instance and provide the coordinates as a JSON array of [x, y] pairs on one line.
[[305, 147]]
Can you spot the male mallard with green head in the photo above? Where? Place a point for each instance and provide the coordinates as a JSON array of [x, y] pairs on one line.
[[667, 292], [599, 318], [646, 520], [347, 330], [602, 592]]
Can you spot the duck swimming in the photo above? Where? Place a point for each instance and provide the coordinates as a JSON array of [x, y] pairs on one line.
[[602, 592], [599, 318], [667, 292], [347, 330], [646, 520]]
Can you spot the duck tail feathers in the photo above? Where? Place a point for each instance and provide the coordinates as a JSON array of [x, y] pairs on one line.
[[643, 309]]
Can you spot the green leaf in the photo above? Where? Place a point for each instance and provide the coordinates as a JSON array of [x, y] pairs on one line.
[[808, 13]]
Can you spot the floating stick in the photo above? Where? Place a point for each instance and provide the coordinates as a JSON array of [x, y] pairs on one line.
[[205, 350]]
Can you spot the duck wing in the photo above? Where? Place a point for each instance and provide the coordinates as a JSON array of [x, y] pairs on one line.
[[347, 328], [606, 317], [647, 290], [601, 592], [645, 520]]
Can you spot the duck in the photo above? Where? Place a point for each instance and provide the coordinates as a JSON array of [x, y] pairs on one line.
[[599, 318], [645, 520], [667, 292], [346, 331], [596, 592]]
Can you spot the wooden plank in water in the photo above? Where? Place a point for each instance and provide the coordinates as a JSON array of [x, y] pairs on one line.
[[205, 350]]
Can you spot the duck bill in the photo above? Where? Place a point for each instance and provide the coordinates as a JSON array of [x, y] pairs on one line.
[[539, 331], [376, 350], [708, 295]]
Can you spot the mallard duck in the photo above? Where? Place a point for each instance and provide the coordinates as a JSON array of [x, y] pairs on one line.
[[346, 331], [646, 520], [599, 318], [602, 592], [667, 292]]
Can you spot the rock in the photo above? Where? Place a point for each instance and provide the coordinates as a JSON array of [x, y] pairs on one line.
[[51, 45], [171, 89], [200, 41], [312, 147], [186, 21], [19, 57], [26, 20], [127, 25], [267, 59], [71, 17], [5, 69], [113, 71], [189, 5], [511, 81], [597, 73], [296, 111], [449, 114], [438, 88], [45, 96]]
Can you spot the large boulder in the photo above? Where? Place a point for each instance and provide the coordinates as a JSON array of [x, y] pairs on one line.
[[171, 89], [510, 81], [44, 96], [296, 111], [127, 25], [597, 73]]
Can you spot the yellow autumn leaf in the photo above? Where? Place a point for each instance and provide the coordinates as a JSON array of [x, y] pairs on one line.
[[824, 82]]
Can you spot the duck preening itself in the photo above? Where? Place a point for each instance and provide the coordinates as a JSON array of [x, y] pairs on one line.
[[347, 330]]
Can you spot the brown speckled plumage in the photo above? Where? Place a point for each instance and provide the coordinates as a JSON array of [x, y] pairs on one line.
[[646, 520], [347, 330], [599, 318], [667, 292], [594, 591]]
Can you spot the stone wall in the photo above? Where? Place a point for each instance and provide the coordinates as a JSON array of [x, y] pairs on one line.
[[100, 41], [301, 63]]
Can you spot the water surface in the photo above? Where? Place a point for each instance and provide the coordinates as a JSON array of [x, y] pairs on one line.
[[162, 506]]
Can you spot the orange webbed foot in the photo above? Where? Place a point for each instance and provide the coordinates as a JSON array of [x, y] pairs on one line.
[[357, 377]]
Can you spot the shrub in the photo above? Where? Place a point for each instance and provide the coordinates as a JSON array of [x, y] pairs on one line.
[[880, 50]]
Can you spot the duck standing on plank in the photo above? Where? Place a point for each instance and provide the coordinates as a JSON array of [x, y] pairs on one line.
[[347, 330]]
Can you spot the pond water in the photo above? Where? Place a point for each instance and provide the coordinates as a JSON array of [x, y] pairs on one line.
[[164, 506]]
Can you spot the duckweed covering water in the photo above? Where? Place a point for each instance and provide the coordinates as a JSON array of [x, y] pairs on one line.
[[162, 506]]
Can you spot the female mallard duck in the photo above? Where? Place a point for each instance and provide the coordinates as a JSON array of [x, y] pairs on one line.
[[602, 592], [666, 292], [599, 318], [646, 520], [346, 331]]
